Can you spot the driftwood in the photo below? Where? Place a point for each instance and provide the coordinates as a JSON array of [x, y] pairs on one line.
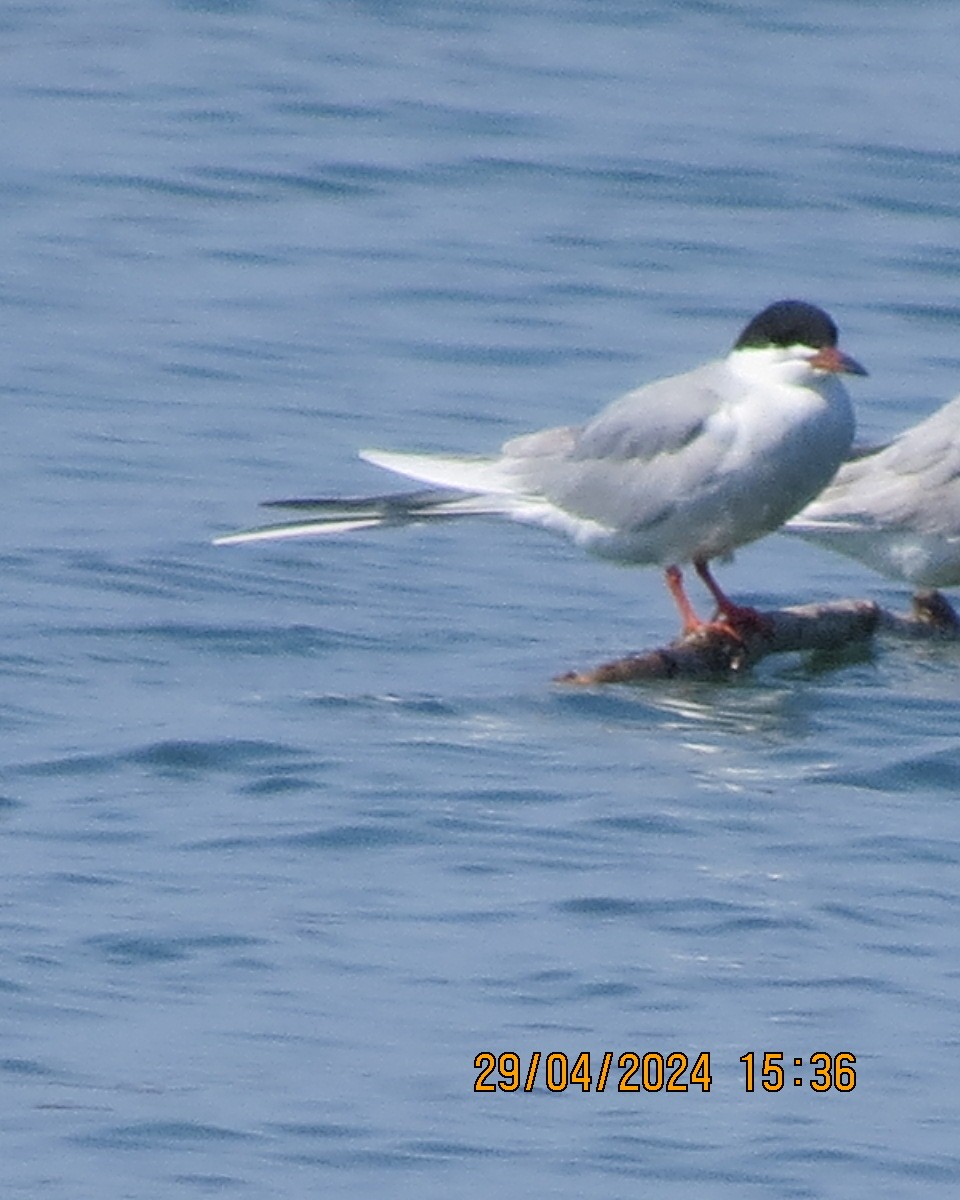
[[716, 653]]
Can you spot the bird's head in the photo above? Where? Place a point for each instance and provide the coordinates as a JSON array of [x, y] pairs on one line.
[[793, 332]]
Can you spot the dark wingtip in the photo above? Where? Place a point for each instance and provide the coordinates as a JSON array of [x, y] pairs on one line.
[[299, 502]]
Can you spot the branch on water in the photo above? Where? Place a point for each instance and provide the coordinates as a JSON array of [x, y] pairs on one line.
[[931, 616], [714, 653]]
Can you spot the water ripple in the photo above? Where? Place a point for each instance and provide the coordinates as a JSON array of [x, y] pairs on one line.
[[161, 1135], [174, 757]]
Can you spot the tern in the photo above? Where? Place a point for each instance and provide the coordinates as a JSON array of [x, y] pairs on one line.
[[682, 470], [897, 508]]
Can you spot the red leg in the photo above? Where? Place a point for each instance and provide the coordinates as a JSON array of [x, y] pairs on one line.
[[691, 621], [736, 617]]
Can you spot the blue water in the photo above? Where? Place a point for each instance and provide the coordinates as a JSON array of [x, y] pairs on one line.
[[293, 832]]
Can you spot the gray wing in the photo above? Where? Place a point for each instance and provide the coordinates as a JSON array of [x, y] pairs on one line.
[[630, 465], [912, 482], [660, 418]]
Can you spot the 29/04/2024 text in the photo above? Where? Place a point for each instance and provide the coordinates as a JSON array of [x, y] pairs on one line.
[[653, 1071]]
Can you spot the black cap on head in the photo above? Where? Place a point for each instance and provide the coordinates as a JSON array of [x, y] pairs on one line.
[[789, 323]]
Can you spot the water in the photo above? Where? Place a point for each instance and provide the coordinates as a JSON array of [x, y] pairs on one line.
[[294, 832]]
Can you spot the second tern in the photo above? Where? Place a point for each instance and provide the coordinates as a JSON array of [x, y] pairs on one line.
[[897, 508]]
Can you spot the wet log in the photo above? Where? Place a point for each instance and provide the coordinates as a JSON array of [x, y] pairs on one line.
[[714, 652], [931, 616]]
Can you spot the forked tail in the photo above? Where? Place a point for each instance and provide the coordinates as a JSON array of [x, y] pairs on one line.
[[344, 515]]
